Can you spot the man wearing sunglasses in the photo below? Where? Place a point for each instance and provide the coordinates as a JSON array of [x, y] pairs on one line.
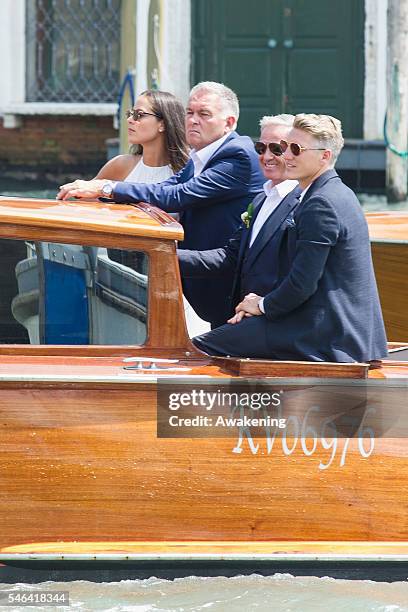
[[210, 193], [323, 305]]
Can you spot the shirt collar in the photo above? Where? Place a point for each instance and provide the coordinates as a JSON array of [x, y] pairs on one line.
[[282, 189], [204, 154], [302, 195]]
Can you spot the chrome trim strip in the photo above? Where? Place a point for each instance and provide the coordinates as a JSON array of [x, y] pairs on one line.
[[328, 557]]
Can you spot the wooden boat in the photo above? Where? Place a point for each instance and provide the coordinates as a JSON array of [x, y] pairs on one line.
[[389, 243], [85, 479]]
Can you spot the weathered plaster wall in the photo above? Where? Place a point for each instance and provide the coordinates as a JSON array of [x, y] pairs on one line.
[[375, 68]]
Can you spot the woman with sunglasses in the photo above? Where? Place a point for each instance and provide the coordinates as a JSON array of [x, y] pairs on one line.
[[157, 137]]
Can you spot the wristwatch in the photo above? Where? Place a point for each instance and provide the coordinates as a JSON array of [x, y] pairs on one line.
[[107, 189]]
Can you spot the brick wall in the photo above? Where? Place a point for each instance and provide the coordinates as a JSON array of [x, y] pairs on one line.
[[49, 145]]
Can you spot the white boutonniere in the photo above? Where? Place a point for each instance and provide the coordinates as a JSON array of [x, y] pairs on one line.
[[290, 221], [247, 215]]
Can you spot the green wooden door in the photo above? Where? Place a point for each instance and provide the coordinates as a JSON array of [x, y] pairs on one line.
[[283, 56]]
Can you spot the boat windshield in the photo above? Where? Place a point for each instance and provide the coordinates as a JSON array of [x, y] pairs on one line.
[[53, 293]]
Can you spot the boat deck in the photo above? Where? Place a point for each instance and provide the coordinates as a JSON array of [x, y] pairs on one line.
[[108, 370], [388, 226]]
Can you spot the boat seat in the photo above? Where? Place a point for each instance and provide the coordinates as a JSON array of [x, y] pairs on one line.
[[71, 294], [65, 276], [118, 303]]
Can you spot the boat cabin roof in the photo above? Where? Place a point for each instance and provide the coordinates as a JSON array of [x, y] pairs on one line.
[[141, 220]]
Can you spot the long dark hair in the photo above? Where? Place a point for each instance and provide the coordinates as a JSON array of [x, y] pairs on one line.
[[171, 111]]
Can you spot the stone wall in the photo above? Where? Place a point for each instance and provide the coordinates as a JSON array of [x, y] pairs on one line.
[[46, 146]]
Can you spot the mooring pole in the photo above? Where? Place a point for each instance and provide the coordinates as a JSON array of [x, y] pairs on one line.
[[397, 100]]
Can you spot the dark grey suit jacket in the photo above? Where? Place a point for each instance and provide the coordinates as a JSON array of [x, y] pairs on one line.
[[314, 268]]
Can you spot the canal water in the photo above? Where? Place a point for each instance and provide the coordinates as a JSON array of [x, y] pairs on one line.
[[281, 593], [27, 189], [373, 202]]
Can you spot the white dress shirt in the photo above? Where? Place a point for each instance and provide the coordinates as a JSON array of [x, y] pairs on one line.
[[201, 157], [274, 196], [302, 195]]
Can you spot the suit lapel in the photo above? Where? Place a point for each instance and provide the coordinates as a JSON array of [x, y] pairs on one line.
[[273, 223], [188, 171], [230, 137], [258, 201], [186, 174], [319, 182]]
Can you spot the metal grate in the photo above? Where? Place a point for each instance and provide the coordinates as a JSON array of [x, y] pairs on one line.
[[73, 50]]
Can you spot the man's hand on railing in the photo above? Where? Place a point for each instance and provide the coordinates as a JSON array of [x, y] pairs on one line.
[[83, 190]]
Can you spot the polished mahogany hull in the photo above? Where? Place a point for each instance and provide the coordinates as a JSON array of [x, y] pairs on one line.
[[82, 470]]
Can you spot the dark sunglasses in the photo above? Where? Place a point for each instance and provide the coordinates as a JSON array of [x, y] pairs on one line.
[[295, 148], [137, 115], [274, 147]]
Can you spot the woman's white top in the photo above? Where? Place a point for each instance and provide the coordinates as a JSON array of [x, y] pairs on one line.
[[148, 174], [156, 174]]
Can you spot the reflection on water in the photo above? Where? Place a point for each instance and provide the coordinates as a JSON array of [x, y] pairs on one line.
[[30, 190], [372, 203], [281, 592]]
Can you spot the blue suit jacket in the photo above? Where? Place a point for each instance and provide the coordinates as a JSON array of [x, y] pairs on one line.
[[314, 267], [256, 269], [210, 205]]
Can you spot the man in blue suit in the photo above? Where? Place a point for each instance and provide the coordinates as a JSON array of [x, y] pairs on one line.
[[306, 288], [210, 193]]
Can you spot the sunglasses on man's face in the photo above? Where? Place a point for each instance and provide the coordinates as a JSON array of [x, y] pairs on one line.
[[295, 148], [274, 148], [137, 115]]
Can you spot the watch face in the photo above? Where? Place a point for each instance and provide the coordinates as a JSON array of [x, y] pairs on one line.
[[107, 189]]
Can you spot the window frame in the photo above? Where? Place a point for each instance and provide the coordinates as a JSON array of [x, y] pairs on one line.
[[13, 103]]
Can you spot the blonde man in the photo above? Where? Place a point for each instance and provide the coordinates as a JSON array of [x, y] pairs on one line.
[[324, 304]]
